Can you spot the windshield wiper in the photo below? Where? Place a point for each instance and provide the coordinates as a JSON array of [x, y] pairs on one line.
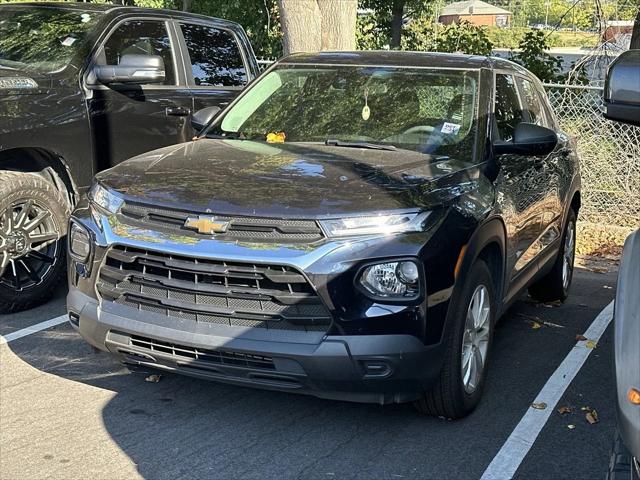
[[355, 144]]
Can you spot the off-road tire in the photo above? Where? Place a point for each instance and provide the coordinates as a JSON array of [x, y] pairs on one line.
[[19, 186], [551, 288], [448, 397]]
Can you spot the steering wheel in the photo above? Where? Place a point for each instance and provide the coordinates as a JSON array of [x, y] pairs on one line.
[[418, 129]]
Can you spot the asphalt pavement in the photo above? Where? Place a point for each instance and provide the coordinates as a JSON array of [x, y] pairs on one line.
[[67, 412]]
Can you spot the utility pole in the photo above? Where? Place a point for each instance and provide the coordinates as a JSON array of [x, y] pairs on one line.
[[546, 17]]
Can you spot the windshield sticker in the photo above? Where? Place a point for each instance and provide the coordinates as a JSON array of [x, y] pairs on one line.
[[67, 42], [450, 128], [276, 137]]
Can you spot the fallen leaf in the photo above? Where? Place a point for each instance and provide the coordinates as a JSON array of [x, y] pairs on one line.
[[571, 426], [607, 287], [155, 378], [591, 344], [535, 325], [563, 410], [539, 406], [592, 417], [581, 338], [585, 409]]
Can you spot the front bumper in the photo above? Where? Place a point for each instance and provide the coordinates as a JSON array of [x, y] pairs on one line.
[[365, 368]]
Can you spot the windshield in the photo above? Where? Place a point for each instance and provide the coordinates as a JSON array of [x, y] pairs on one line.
[[425, 110], [42, 39]]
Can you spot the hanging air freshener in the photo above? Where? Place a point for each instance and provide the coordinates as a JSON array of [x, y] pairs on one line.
[[366, 111]]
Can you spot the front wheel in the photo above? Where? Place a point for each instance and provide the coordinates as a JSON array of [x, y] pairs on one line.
[[33, 223], [459, 388]]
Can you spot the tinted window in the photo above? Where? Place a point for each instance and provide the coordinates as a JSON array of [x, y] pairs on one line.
[[215, 57], [139, 37], [531, 102], [508, 112]]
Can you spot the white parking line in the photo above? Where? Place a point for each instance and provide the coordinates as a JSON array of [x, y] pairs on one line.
[[33, 329], [510, 456]]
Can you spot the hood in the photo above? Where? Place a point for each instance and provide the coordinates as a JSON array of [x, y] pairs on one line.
[[240, 177]]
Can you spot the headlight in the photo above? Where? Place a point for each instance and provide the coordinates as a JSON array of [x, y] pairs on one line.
[[104, 198], [79, 243], [393, 280], [380, 224]]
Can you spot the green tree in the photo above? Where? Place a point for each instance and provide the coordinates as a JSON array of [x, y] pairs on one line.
[[533, 56], [390, 15]]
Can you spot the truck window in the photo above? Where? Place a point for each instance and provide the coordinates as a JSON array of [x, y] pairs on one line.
[[508, 112], [215, 56], [140, 37]]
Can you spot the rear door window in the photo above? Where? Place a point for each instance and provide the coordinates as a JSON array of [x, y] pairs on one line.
[[216, 59], [508, 110]]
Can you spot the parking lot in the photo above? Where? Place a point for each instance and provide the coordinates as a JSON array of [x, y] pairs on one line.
[[67, 412]]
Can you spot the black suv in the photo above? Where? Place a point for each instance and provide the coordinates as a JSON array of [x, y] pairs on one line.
[[351, 226], [82, 88]]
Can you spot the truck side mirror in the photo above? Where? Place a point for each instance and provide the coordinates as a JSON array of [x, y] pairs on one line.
[[622, 89], [133, 68], [202, 117]]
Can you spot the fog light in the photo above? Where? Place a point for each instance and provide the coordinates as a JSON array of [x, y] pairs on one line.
[[394, 280], [79, 243]]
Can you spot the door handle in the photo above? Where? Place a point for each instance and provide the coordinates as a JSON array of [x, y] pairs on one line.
[[177, 111]]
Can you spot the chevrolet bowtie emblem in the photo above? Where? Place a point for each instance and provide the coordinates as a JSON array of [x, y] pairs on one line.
[[206, 224]]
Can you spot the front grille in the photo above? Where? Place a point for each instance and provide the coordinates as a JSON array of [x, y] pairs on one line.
[[240, 228], [229, 293], [218, 357]]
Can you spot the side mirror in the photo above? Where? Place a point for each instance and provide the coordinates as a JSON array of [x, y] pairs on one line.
[[622, 89], [133, 68], [202, 117], [529, 139]]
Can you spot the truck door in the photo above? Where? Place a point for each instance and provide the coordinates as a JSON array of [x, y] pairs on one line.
[[129, 119]]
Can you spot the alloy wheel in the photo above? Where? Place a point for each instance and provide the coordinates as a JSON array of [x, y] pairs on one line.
[[475, 341], [568, 254], [28, 244]]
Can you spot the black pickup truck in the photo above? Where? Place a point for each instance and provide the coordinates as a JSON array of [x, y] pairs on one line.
[[82, 88]]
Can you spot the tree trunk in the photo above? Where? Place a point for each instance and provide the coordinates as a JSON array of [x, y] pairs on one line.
[[635, 36], [301, 25], [186, 5], [338, 24], [397, 17]]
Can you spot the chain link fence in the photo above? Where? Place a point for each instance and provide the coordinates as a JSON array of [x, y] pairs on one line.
[[609, 155]]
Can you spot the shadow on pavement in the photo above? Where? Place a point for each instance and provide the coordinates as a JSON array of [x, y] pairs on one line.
[[182, 427]]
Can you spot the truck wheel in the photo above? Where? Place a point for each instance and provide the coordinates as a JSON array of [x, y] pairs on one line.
[[33, 224], [459, 388], [555, 284]]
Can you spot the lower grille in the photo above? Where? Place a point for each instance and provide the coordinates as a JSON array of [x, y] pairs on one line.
[[229, 293], [217, 357]]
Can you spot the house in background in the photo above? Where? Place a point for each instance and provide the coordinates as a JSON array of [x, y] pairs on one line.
[[476, 12]]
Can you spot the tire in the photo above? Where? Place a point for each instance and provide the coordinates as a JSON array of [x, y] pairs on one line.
[[621, 464], [451, 397], [553, 286], [33, 226]]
